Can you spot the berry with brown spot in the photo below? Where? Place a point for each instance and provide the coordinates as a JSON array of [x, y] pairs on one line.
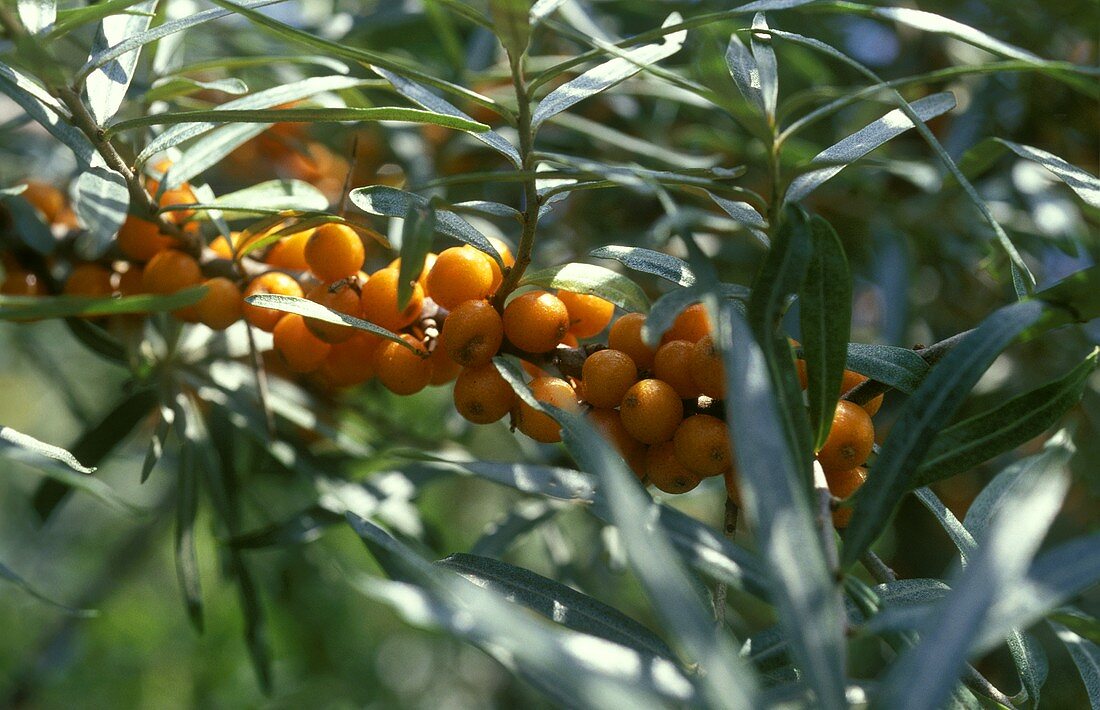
[[536, 321], [482, 395], [651, 411], [665, 471], [275, 282], [707, 369], [607, 375], [588, 315], [850, 440], [703, 445], [340, 297], [626, 335], [334, 251], [673, 364], [472, 333]]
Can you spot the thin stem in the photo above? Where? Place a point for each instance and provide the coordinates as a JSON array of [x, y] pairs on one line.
[[729, 529]]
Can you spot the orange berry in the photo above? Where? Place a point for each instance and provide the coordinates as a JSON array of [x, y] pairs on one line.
[[460, 274], [141, 240], [536, 321], [221, 307], [691, 325], [570, 341], [178, 196], [334, 251], [850, 440], [472, 333], [651, 411], [378, 301], [270, 282], [533, 370], [429, 262], [20, 282], [126, 281], [171, 271], [352, 361], [339, 297], [610, 425], [851, 380], [481, 395], [626, 335], [607, 375], [843, 484], [703, 445], [665, 471], [707, 369], [444, 369], [222, 248], [302, 351], [803, 376], [539, 425], [88, 279], [290, 251], [588, 315], [673, 365], [45, 198], [400, 370]]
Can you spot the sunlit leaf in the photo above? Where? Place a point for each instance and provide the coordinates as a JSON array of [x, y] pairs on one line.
[[648, 261], [24, 307], [309, 309], [106, 87], [596, 280]]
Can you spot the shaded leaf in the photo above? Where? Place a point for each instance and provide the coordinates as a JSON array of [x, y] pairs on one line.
[[745, 72], [501, 534], [8, 575], [1086, 656], [416, 241], [648, 261], [901, 368], [24, 307], [302, 528], [101, 200]]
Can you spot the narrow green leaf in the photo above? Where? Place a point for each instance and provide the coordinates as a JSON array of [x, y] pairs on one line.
[[672, 304], [1077, 621], [1086, 185], [925, 413], [1078, 294], [101, 200], [156, 445], [512, 24], [178, 86], [826, 318], [8, 575], [21, 447], [28, 225], [25, 307], [501, 534], [416, 241], [187, 506], [301, 528], [901, 368], [105, 88], [648, 261], [767, 67], [745, 73], [972, 441], [48, 112], [308, 309], [1086, 656], [596, 280]]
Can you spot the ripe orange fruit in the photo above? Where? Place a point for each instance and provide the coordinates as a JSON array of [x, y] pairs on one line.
[[460, 274], [334, 251], [626, 335], [570, 341], [843, 484], [429, 262], [88, 279], [481, 395], [851, 380], [378, 301], [691, 325], [352, 361], [178, 196], [340, 297], [673, 364], [665, 471], [400, 370], [651, 411], [302, 351], [850, 439], [610, 425], [222, 248], [290, 251], [538, 425], [703, 445], [472, 333], [170, 271], [221, 307], [20, 282], [535, 321], [126, 281], [707, 369], [270, 282], [588, 315], [141, 240], [607, 375], [444, 369], [45, 198]]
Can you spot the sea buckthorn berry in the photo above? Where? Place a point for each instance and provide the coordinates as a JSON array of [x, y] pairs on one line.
[[673, 365], [352, 361], [803, 377], [88, 280], [378, 301], [482, 396], [691, 325], [651, 411], [270, 282], [626, 335], [444, 369], [45, 198], [339, 297], [221, 306], [290, 251], [570, 341], [141, 240], [222, 247], [707, 368], [533, 371], [610, 425], [429, 262], [853, 379], [536, 321], [178, 196], [665, 471], [588, 315], [843, 484], [733, 486], [607, 375], [472, 333], [401, 370], [703, 445], [171, 271], [460, 274], [850, 440], [538, 425], [302, 351], [334, 251], [20, 282]]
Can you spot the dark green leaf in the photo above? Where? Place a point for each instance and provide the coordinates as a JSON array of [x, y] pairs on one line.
[[416, 242], [24, 307], [766, 66], [1086, 656], [596, 280], [745, 72], [308, 309], [302, 528], [28, 225], [187, 506], [1078, 294], [648, 262], [901, 368], [156, 444], [1078, 622], [512, 24], [1080, 181]]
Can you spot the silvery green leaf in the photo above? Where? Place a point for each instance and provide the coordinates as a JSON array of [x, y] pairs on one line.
[[106, 86], [101, 200], [766, 65], [38, 16]]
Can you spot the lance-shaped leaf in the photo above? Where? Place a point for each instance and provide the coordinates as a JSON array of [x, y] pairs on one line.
[[8, 575], [901, 368], [979, 438], [512, 24], [596, 280], [29, 226], [106, 86], [269, 195], [826, 317], [1086, 656], [37, 16], [863, 141], [177, 86], [666, 308], [744, 214], [310, 309], [421, 96], [766, 66], [608, 74], [648, 261], [745, 72], [925, 413], [391, 202], [187, 506], [25, 307], [416, 242], [501, 534], [773, 479], [101, 200], [981, 156]]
